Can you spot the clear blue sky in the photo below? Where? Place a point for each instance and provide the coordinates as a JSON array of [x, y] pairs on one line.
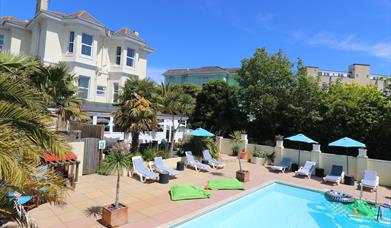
[[190, 33]]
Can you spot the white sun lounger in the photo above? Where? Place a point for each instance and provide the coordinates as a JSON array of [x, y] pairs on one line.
[[336, 174], [283, 165], [141, 170], [307, 169], [159, 166], [213, 162], [195, 164], [370, 179]]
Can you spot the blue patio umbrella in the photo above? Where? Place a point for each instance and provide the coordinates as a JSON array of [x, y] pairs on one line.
[[201, 132], [301, 138], [347, 143]]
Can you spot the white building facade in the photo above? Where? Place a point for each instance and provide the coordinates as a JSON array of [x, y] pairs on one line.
[[101, 59]]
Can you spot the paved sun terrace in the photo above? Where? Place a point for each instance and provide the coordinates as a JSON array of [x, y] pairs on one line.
[[150, 205]]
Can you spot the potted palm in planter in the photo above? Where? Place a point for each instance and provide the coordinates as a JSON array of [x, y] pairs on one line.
[[115, 163], [258, 157], [236, 140], [270, 158]]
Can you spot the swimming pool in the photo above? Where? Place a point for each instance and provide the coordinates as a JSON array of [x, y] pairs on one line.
[[280, 205]]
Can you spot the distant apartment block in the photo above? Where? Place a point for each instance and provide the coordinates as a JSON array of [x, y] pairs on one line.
[[357, 73], [102, 59], [202, 75]]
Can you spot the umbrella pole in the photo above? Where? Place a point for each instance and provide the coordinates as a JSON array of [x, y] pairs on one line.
[[298, 160], [347, 162]]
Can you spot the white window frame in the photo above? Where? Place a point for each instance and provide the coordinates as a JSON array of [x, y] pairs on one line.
[[88, 45], [113, 94], [118, 56], [101, 92], [85, 88], [71, 42], [2, 38], [129, 57]]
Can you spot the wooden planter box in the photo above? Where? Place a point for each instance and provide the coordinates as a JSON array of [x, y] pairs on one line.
[[243, 176], [115, 217]]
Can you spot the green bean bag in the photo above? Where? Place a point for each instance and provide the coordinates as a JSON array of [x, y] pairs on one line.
[[184, 192], [226, 184]]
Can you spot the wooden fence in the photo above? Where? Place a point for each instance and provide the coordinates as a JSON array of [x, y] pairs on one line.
[[88, 130], [91, 155]]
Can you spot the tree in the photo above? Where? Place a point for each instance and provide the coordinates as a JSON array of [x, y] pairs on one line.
[[115, 162], [306, 102], [59, 87], [24, 134], [136, 116], [265, 82], [190, 89], [174, 103], [217, 108], [360, 112]]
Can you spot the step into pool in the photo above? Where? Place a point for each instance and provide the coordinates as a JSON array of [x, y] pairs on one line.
[[281, 205]]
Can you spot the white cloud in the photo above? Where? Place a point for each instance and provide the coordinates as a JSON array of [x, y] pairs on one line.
[[380, 49], [156, 73]]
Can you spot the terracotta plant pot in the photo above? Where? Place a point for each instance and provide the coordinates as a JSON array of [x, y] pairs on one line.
[[243, 175], [113, 217], [244, 155]]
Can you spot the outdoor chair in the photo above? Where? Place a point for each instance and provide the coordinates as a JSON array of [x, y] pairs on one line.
[[213, 162], [160, 167], [283, 165], [190, 161], [336, 174], [370, 179], [307, 169], [141, 170]]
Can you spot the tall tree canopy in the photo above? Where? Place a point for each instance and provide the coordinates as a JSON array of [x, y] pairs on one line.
[[217, 108], [265, 82]]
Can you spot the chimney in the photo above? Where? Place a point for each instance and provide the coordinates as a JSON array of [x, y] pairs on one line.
[[41, 5]]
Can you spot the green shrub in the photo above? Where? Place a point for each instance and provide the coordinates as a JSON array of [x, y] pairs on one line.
[[197, 144], [258, 153], [148, 154]]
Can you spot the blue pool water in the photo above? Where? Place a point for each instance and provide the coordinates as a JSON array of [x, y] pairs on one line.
[[280, 205]]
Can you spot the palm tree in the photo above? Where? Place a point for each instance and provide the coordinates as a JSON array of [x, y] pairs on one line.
[[174, 102], [115, 163], [136, 112], [59, 85], [24, 132]]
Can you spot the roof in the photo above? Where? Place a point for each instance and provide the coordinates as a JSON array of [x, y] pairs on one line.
[[90, 106], [126, 32], [81, 15], [13, 20], [200, 70]]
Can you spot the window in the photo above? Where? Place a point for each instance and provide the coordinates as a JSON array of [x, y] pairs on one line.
[[1, 42], [100, 90], [118, 56], [71, 42], [115, 91], [84, 83], [86, 44], [130, 57]]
